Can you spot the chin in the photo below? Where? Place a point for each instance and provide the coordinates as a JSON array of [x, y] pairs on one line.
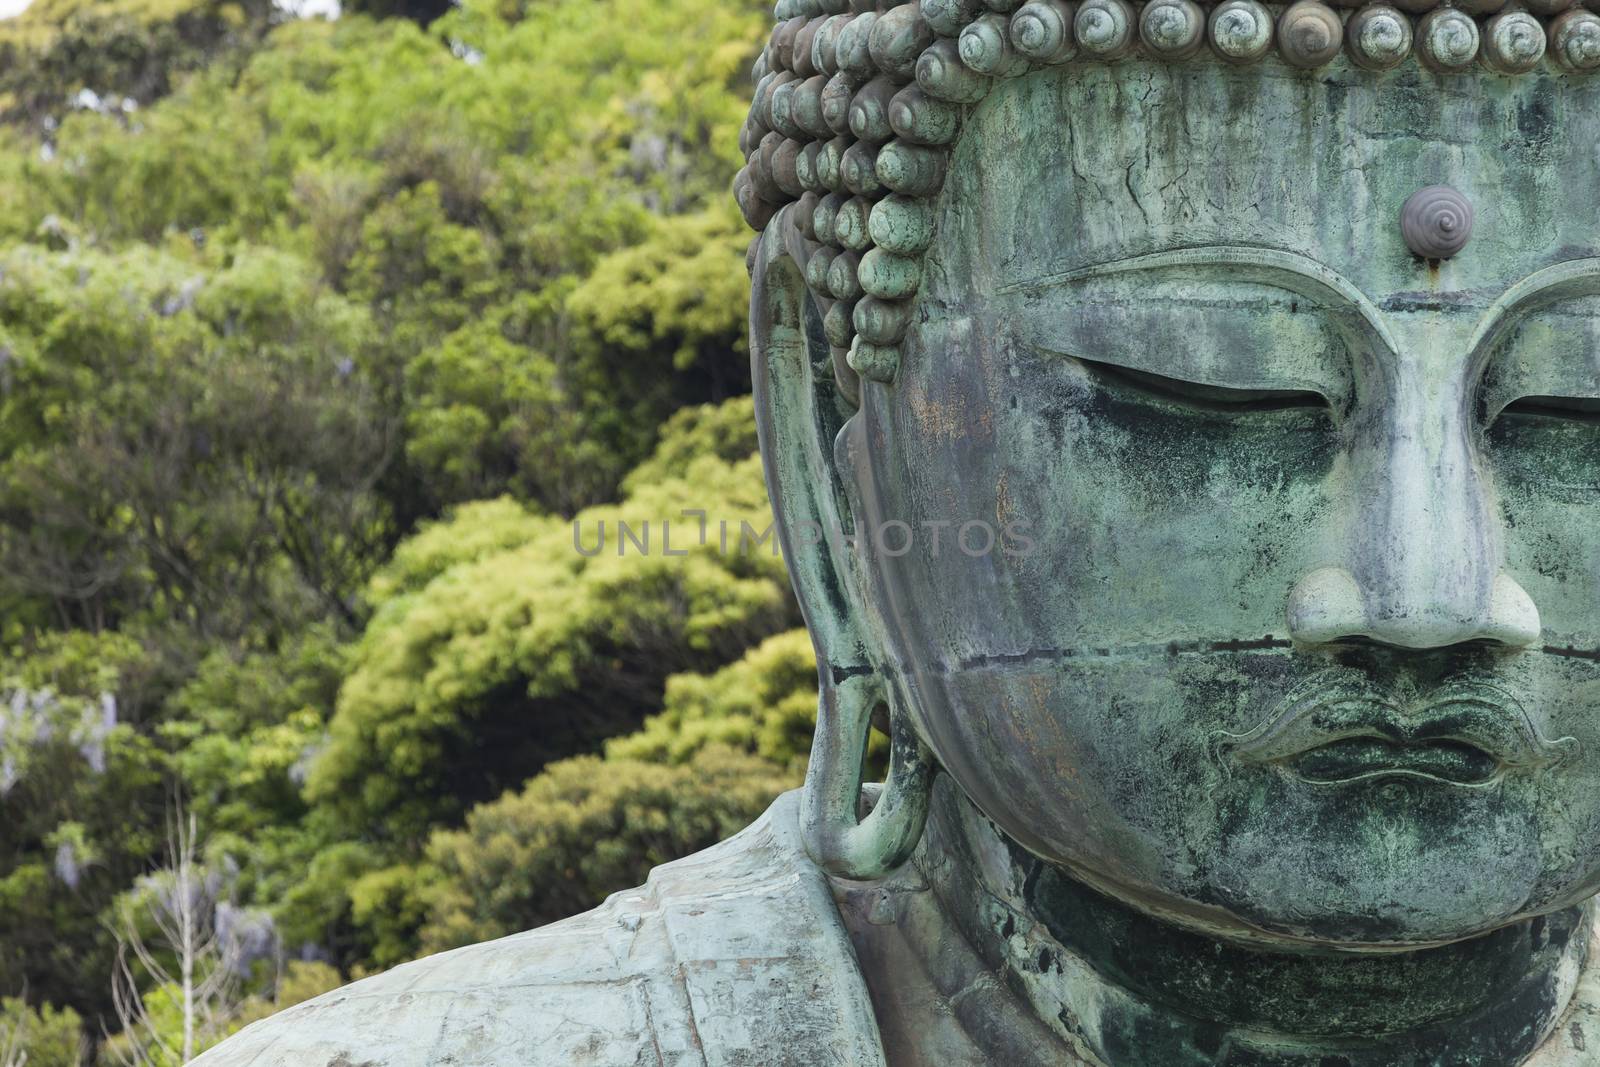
[[1385, 863], [1264, 859], [1120, 773]]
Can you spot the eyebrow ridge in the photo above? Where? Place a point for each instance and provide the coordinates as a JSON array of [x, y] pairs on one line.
[[1575, 277], [1319, 280]]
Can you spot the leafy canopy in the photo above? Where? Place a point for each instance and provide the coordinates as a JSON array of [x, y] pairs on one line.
[[315, 338]]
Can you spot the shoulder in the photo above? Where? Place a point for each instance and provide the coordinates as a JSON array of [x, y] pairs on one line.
[[735, 955], [1576, 1040]]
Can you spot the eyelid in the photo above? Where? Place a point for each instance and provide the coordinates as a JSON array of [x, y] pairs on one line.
[[1545, 356], [1262, 338], [1572, 408], [1210, 397]]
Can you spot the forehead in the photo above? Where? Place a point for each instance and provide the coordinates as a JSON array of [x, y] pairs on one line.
[[1078, 166]]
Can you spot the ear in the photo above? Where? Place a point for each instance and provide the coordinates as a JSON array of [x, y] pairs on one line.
[[801, 409]]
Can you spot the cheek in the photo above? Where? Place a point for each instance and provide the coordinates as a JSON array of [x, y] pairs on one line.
[[1098, 758], [1072, 687], [1547, 475], [1145, 525]]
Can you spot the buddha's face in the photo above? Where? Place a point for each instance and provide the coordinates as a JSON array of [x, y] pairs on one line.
[[1307, 643]]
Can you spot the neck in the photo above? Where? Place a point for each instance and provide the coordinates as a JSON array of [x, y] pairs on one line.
[[1134, 990]]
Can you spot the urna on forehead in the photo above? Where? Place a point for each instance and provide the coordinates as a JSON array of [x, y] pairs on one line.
[[1055, 129], [1076, 166]]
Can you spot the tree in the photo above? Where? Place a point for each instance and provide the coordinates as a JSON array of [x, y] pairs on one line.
[[765, 703], [43, 1037], [314, 338], [419, 11], [81, 790], [204, 440], [182, 952], [583, 829], [528, 646], [56, 49]]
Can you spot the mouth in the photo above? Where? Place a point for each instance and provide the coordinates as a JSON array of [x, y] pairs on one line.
[[1355, 758], [1334, 729]]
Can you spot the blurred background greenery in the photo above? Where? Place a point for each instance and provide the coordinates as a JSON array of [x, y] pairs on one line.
[[316, 335]]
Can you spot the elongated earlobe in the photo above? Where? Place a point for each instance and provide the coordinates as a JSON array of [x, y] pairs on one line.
[[798, 415], [839, 839]]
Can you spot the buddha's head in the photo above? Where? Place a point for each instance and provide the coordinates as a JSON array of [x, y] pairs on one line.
[[1259, 355]]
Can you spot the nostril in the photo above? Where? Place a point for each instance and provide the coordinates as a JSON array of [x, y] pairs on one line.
[[1357, 641], [1513, 617], [1361, 643], [1326, 606]]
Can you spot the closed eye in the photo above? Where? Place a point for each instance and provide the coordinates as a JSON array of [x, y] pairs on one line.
[[1205, 397], [1571, 408]]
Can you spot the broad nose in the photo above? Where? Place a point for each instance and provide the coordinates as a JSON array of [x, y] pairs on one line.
[[1423, 556], [1329, 605]]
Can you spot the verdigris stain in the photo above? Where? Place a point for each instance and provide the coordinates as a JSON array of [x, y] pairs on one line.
[[1278, 333]]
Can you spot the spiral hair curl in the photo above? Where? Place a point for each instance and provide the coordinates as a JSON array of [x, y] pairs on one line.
[[858, 104]]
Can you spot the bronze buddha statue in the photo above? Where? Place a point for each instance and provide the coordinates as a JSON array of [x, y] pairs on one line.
[[1278, 332]]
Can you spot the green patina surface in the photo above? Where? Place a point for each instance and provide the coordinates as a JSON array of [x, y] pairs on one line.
[[1299, 679], [1276, 742]]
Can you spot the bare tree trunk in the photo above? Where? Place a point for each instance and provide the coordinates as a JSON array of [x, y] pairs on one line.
[[181, 904], [12, 1054], [186, 926]]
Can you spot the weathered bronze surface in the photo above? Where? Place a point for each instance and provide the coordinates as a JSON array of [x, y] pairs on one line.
[[1269, 733]]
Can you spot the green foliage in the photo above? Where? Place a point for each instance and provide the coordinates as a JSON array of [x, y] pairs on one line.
[[583, 829], [765, 703], [165, 1006], [516, 655], [490, 415], [673, 287], [423, 11], [474, 531], [300, 981], [313, 904], [724, 431], [245, 725], [43, 1037], [184, 441], [314, 339], [428, 273], [81, 795], [497, 646], [387, 905], [76, 663], [665, 314], [119, 49], [562, 159]]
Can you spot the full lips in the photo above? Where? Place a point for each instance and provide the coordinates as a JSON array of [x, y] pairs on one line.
[[1339, 726]]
